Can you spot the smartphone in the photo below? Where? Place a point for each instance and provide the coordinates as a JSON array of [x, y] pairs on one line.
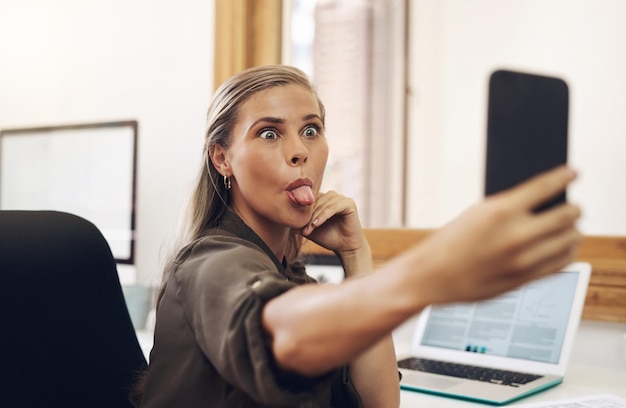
[[527, 129]]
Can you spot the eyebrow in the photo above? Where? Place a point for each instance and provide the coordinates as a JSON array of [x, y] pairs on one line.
[[279, 121], [312, 116]]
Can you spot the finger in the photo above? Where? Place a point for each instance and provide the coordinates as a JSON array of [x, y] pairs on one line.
[[328, 210], [321, 202], [553, 220], [543, 271], [552, 265], [540, 188], [329, 205], [323, 198], [545, 268], [562, 245]]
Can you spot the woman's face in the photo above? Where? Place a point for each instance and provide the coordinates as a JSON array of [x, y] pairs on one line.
[[277, 158]]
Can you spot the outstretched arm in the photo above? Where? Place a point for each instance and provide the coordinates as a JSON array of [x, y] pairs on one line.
[[493, 247]]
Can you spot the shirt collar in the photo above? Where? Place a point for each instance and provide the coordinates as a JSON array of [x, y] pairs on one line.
[[232, 223]]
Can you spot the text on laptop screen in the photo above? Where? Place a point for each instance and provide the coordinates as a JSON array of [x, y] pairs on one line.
[[527, 323]]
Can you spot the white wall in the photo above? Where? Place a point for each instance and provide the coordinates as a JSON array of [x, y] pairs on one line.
[[76, 61], [455, 44]]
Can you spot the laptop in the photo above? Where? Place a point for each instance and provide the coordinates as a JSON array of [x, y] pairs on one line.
[[498, 350]]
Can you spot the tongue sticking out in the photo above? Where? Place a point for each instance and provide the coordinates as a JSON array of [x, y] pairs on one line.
[[302, 195]]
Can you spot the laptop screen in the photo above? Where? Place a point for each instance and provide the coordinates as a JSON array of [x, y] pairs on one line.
[[527, 323]]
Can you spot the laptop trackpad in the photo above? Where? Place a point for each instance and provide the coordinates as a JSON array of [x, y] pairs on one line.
[[429, 381]]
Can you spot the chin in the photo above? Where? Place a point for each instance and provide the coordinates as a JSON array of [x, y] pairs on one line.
[[301, 219]]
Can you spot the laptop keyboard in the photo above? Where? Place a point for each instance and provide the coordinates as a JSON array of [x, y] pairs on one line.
[[502, 377]]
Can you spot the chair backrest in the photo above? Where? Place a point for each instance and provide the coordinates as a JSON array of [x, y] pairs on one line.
[[66, 338]]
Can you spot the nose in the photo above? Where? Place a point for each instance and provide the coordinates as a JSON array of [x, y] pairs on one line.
[[297, 152]]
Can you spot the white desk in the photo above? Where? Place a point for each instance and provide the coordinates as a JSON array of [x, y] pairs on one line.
[[597, 365]]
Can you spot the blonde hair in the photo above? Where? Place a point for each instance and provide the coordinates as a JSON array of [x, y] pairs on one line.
[[210, 200]]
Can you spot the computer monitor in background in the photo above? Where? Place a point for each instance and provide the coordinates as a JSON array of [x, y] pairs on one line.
[[88, 170]]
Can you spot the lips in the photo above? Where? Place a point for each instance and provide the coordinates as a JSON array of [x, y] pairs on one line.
[[300, 192]]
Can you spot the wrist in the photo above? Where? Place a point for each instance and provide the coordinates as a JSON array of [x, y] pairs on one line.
[[357, 262]]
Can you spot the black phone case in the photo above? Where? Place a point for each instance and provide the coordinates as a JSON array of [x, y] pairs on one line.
[[527, 129]]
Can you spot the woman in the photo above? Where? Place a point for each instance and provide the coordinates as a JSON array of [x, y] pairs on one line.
[[238, 325]]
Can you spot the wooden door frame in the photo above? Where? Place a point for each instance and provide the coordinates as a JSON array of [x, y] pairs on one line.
[[248, 33]]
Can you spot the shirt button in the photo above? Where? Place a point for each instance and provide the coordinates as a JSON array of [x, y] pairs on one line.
[[255, 284]]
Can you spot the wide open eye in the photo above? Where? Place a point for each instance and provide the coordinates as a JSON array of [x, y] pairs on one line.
[[268, 134], [311, 131]]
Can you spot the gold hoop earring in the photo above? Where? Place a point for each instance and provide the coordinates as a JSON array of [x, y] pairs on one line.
[[227, 182]]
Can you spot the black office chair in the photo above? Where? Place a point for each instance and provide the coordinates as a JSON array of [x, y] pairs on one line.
[[66, 338]]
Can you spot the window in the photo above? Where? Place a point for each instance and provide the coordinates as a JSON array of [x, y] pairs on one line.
[[354, 52]]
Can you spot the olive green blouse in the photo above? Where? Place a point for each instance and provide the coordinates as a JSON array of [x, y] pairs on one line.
[[210, 349]]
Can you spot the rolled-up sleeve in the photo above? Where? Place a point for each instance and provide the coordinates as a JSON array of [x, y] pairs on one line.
[[223, 296]]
